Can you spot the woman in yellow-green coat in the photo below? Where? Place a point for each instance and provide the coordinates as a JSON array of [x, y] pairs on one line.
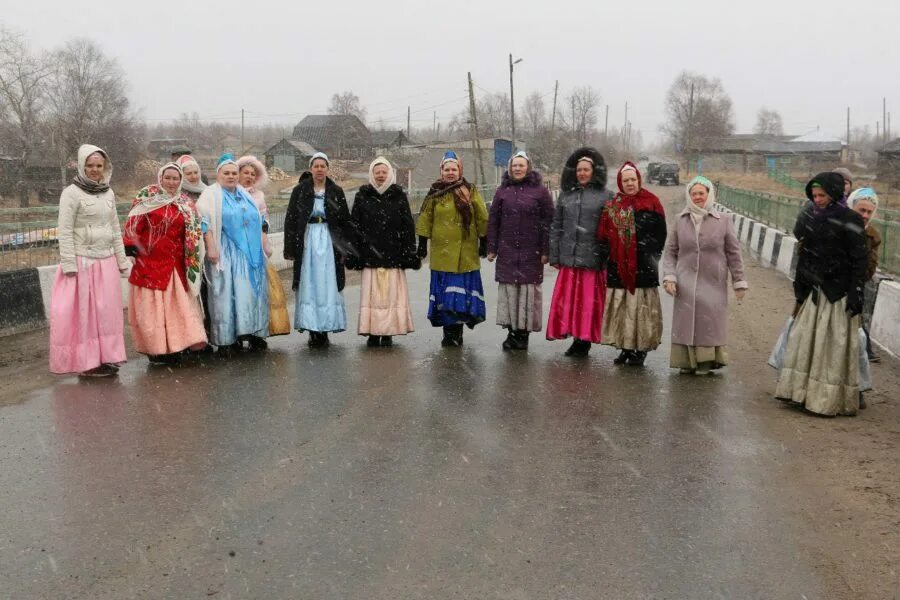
[[455, 219]]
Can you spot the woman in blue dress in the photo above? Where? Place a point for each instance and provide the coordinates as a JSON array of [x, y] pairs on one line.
[[318, 236], [238, 294]]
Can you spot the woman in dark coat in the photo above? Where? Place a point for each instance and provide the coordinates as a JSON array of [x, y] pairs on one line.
[[633, 226], [519, 239], [318, 236], [576, 309], [821, 362], [386, 246]]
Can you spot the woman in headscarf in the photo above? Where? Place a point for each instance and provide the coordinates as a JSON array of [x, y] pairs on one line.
[[576, 309], [821, 364], [238, 296], [387, 246], [519, 240], [700, 249], [86, 322], [192, 185], [633, 226], [164, 235], [865, 202], [318, 236], [253, 177], [454, 218]]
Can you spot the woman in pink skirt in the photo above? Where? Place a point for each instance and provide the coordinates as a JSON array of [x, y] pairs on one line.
[[576, 309], [163, 233], [86, 325]]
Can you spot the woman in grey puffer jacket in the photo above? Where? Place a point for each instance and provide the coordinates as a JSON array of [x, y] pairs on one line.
[[580, 293]]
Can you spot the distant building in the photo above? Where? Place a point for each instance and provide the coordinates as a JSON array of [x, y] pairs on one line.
[[289, 155], [161, 149], [749, 153], [889, 164], [385, 140], [338, 136]]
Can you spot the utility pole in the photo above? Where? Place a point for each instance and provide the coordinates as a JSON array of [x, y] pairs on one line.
[[574, 128], [476, 143], [512, 100], [242, 131], [408, 122], [848, 133], [553, 116], [606, 127], [434, 127], [884, 123], [690, 129]]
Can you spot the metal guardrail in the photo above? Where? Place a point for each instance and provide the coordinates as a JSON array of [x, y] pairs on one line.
[[781, 213]]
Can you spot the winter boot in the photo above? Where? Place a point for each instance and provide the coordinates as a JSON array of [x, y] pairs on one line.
[[637, 360], [579, 348], [386, 341], [623, 357]]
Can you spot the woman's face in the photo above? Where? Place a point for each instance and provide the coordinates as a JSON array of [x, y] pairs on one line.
[[380, 174], [820, 198], [519, 168], [450, 172], [699, 194], [319, 170], [583, 172], [630, 183], [170, 181], [866, 210], [247, 176], [192, 173], [848, 186], [228, 176], [93, 167]]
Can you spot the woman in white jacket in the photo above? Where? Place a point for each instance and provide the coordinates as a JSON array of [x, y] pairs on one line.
[[86, 321]]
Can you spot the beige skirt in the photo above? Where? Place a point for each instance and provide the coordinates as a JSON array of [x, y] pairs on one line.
[[692, 357], [633, 321], [520, 306], [821, 363], [384, 303], [165, 321]]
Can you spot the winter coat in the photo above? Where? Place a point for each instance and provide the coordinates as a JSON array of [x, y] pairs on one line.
[[699, 263], [451, 251], [832, 255], [576, 215], [337, 215], [154, 263], [519, 229], [386, 229], [873, 242], [650, 231]]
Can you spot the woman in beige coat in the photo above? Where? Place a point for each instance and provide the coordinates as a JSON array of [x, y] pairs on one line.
[[700, 251]]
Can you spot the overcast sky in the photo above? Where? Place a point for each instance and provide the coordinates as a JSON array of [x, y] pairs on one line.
[[808, 59]]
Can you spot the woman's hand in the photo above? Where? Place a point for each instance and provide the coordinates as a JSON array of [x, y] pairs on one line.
[[491, 256], [671, 288], [212, 255], [545, 259], [739, 294]]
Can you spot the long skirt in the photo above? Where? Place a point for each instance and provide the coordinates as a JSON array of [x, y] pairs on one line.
[[319, 305], [86, 322], [384, 303], [694, 357], [279, 320], [165, 321], [520, 306], [456, 298], [237, 297], [577, 306], [821, 363], [633, 321]]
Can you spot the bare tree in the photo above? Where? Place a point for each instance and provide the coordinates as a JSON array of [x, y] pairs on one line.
[[22, 99], [768, 122], [579, 113], [708, 117], [347, 103], [88, 104], [535, 115]]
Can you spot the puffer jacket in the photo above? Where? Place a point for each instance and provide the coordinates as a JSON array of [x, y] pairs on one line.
[[88, 227]]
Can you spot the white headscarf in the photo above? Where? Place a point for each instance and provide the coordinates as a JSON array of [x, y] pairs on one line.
[[392, 177]]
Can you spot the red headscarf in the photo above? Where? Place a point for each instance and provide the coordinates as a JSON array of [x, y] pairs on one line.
[[617, 227]]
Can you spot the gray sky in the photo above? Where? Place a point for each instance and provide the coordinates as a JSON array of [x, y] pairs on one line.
[[807, 59]]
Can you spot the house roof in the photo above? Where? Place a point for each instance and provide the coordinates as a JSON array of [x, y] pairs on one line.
[[299, 145], [319, 130], [891, 147], [386, 138], [772, 144]]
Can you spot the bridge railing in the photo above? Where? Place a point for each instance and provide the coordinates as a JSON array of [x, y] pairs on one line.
[[781, 213]]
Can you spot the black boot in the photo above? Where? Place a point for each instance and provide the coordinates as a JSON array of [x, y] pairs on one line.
[[257, 343], [453, 336], [164, 359], [387, 341], [517, 340], [579, 348], [374, 341], [623, 357], [318, 339], [510, 342], [637, 358]]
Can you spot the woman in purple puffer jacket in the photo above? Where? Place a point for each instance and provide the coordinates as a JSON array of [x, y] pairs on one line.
[[519, 239]]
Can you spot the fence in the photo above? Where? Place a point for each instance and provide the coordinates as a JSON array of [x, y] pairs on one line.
[[781, 213]]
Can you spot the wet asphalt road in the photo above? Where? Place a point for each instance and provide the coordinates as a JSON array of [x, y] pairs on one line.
[[408, 472]]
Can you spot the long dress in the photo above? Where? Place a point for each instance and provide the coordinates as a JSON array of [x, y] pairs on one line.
[[319, 305], [238, 293]]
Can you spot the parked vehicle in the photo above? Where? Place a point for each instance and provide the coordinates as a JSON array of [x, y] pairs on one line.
[[652, 171], [668, 173]]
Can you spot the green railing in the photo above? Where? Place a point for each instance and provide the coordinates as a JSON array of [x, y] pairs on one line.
[[781, 213], [786, 180]]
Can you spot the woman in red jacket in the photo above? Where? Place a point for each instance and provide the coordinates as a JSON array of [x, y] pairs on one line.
[[163, 234]]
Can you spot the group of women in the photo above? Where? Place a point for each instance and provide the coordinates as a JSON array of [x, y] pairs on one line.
[[201, 275]]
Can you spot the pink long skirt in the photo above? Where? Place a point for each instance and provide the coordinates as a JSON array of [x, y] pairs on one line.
[[86, 324], [577, 306], [165, 321], [384, 303]]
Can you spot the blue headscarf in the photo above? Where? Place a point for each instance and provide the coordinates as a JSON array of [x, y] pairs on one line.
[[225, 159]]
